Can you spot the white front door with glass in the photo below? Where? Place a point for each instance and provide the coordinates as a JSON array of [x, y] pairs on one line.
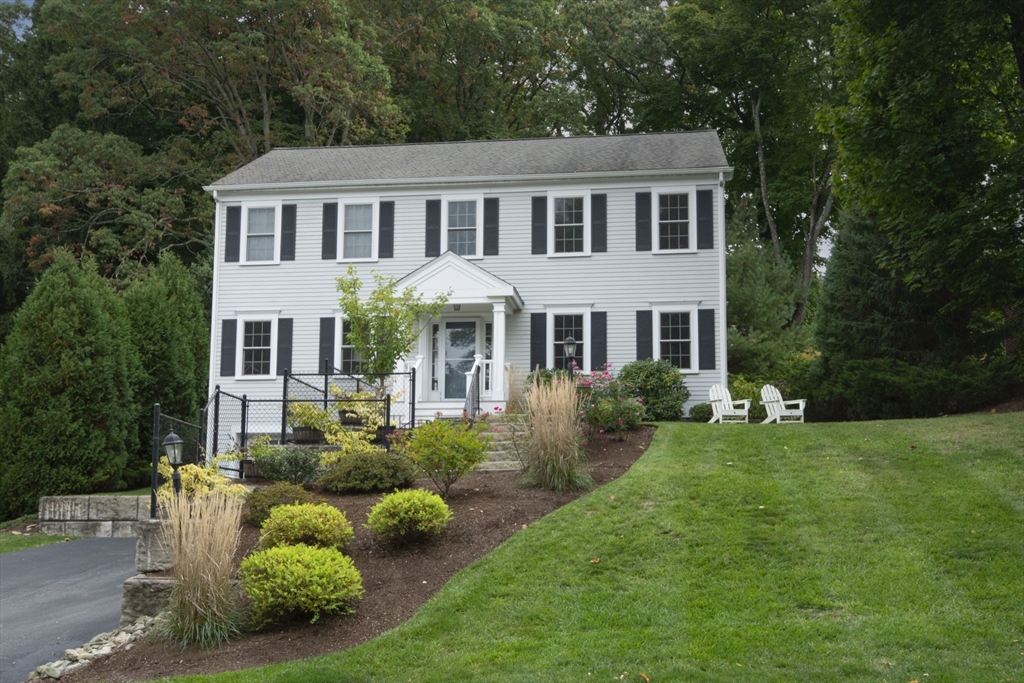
[[453, 345]]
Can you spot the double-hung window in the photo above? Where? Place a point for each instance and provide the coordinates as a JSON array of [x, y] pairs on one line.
[[463, 222], [351, 362], [676, 334], [563, 323], [357, 232], [261, 230], [256, 347], [569, 218], [675, 219]]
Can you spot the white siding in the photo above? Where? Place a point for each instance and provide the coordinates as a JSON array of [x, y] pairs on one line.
[[620, 281]]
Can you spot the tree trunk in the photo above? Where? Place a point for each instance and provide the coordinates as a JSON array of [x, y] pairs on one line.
[[756, 111]]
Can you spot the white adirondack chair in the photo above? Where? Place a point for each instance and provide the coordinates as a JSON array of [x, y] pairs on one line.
[[724, 409], [778, 410]]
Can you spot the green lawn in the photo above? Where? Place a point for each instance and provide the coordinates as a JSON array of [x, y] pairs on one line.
[[879, 551], [10, 543]]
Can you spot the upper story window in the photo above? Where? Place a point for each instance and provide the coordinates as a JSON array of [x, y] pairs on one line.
[[261, 230], [257, 347], [463, 226], [675, 218], [357, 233], [569, 218]]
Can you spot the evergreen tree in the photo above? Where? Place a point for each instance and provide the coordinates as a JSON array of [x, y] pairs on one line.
[[170, 331], [66, 407]]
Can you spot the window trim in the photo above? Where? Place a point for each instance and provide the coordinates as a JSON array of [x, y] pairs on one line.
[[479, 200], [255, 316], [549, 332], [691, 203], [243, 247], [569, 194], [374, 203], [694, 346]]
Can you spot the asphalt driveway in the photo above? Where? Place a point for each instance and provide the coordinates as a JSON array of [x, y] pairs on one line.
[[57, 597]]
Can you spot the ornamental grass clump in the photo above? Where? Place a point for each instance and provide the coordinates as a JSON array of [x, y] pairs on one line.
[[555, 455], [409, 515], [321, 525], [202, 533], [299, 580]]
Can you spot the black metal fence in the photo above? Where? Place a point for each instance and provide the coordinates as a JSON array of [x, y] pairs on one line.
[[234, 420]]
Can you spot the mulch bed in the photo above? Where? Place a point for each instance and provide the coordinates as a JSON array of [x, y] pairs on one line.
[[488, 508]]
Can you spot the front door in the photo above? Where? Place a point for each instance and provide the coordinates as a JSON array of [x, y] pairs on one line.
[[459, 348]]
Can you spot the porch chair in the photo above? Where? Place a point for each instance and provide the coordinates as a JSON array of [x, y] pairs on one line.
[[778, 410], [724, 409]]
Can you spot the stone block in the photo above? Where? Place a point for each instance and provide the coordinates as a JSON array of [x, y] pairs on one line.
[[152, 553], [64, 508], [107, 508], [122, 529], [97, 529], [52, 528], [144, 595], [143, 512]]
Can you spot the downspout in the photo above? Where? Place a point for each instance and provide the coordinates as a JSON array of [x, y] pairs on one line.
[[723, 328]]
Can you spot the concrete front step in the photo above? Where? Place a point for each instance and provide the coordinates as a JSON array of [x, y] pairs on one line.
[[500, 466]]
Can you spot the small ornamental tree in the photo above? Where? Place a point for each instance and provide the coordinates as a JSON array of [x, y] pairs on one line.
[[66, 407], [386, 323]]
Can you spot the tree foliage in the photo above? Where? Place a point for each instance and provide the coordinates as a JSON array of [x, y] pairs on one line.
[[67, 411], [386, 323], [932, 145]]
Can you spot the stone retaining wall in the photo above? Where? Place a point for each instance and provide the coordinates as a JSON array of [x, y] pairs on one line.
[[92, 516]]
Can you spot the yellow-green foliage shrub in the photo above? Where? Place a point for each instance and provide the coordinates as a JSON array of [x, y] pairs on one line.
[[444, 451], [409, 515], [196, 480], [348, 444], [316, 525], [261, 501], [299, 580], [367, 472]]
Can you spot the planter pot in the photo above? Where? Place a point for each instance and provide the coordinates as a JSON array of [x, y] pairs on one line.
[[349, 418], [307, 435]]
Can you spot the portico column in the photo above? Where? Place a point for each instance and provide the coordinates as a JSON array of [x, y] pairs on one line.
[[498, 354]]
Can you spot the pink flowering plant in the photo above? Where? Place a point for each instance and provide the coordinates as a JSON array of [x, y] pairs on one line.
[[609, 405]]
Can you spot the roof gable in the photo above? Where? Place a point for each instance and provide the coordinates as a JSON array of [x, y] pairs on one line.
[[466, 282]]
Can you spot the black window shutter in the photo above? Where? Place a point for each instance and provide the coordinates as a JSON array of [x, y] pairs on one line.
[[706, 338], [598, 340], [386, 241], [228, 339], [644, 334], [539, 239], [538, 340], [284, 345], [705, 219], [329, 245], [643, 221], [288, 232], [233, 234], [433, 227], [326, 344], [598, 223], [491, 226]]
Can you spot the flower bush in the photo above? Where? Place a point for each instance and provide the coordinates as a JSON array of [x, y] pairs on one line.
[[608, 404]]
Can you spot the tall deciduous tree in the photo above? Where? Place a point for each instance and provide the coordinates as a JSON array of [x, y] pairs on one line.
[[760, 72], [254, 73], [932, 143], [67, 411], [99, 194]]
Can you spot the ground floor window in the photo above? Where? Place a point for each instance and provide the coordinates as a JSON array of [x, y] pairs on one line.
[[675, 338], [351, 361], [565, 326], [256, 347]]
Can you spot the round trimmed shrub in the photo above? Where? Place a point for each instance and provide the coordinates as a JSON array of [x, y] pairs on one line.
[[370, 471], [262, 500], [409, 515], [659, 384], [318, 525], [299, 579], [701, 412]]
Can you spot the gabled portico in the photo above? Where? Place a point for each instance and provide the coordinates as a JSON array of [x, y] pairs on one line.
[[470, 331]]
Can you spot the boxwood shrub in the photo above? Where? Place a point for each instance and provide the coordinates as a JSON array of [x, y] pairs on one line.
[[365, 472], [659, 384], [317, 525], [409, 515], [262, 500]]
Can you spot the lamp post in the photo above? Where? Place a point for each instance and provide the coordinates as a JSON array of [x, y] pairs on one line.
[[570, 354], [173, 448]]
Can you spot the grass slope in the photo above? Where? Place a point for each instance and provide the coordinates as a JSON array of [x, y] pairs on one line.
[[880, 551]]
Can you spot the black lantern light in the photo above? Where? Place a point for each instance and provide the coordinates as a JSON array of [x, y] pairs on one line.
[[570, 354], [173, 448]]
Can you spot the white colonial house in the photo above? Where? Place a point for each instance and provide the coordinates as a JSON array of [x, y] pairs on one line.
[[616, 241]]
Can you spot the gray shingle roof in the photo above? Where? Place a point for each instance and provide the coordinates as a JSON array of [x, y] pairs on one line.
[[483, 158]]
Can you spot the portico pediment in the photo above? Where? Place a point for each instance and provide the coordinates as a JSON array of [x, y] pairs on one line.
[[467, 282]]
